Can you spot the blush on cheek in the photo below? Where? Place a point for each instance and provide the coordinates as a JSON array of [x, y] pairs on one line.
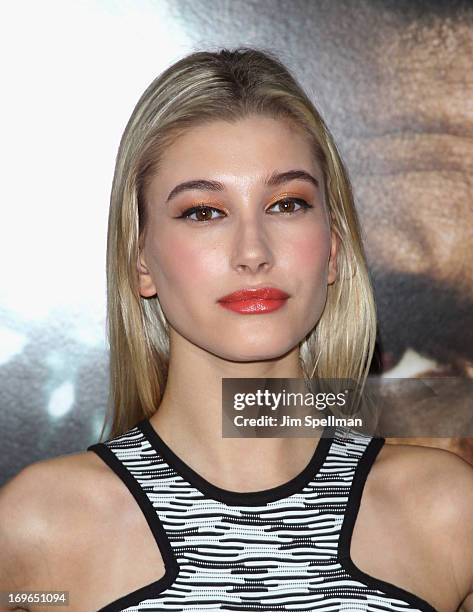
[[190, 264], [310, 254], [179, 257]]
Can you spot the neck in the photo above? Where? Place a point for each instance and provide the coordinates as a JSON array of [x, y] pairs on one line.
[[189, 420]]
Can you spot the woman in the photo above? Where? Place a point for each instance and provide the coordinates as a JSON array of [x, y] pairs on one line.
[[228, 180]]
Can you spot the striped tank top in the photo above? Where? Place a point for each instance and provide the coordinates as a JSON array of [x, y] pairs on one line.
[[284, 548]]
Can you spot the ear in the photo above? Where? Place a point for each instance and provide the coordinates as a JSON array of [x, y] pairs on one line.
[[146, 283], [332, 263]]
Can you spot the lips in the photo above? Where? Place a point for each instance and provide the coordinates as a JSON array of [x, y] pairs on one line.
[[254, 301], [263, 293]]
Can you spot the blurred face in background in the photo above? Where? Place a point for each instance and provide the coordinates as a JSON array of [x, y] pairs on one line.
[[411, 156]]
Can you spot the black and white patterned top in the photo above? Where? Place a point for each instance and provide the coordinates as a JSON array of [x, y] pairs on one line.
[[282, 549]]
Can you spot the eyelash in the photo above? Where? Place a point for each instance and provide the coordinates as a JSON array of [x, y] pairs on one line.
[[190, 211]]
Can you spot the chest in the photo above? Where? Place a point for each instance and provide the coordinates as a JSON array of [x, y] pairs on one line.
[[124, 558]]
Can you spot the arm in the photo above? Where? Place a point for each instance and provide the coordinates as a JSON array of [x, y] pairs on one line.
[[23, 531], [455, 527]]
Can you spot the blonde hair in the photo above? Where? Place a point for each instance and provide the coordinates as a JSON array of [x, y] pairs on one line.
[[202, 87]]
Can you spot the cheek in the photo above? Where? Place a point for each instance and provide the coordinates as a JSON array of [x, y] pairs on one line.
[[186, 264], [309, 254]]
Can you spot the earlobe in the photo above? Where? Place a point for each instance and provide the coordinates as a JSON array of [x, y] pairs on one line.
[[332, 264], [146, 284]]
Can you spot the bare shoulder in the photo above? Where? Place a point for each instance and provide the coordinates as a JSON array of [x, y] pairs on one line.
[[434, 487], [45, 516], [44, 490], [430, 474]]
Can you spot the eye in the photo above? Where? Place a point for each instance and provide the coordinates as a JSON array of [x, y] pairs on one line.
[[288, 206], [204, 213]]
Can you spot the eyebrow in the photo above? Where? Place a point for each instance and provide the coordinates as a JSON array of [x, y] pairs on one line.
[[276, 178]]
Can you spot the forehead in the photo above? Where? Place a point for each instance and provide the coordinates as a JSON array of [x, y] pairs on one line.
[[249, 147]]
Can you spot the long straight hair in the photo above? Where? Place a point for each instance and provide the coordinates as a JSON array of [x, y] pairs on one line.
[[201, 87]]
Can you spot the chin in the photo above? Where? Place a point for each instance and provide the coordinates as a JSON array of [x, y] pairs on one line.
[[262, 351]]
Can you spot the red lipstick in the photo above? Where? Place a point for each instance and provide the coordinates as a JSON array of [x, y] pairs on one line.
[[254, 301]]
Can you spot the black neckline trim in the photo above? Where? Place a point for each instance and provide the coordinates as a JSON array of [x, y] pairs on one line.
[[238, 498], [351, 512], [153, 589]]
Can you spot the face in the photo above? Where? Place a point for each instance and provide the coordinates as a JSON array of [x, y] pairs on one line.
[[252, 233]]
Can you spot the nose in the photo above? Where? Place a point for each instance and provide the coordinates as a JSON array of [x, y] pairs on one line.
[[252, 252]]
